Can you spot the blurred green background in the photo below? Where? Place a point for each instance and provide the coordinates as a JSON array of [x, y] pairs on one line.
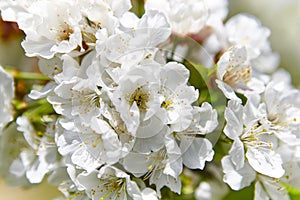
[[281, 16]]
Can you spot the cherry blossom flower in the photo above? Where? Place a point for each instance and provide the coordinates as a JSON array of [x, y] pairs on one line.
[[112, 183], [236, 74], [184, 16], [253, 147]]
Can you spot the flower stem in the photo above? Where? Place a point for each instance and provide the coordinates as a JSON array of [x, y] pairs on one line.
[[35, 114], [26, 75]]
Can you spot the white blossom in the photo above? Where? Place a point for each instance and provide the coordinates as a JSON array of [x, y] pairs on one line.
[[67, 29], [130, 110], [62, 33], [248, 31], [11, 144], [109, 183], [138, 39], [156, 99], [69, 185], [162, 167], [79, 95], [89, 147], [253, 142], [236, 74], [40, 156], [184, 16], [283, 111]]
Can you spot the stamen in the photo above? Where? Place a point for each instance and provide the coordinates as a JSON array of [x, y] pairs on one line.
[[140, 97]]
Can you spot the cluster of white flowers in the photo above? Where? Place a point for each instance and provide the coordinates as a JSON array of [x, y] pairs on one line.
[[121, 117]]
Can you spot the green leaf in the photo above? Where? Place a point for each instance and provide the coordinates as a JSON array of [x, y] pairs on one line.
[[212, 70], [19, 105], [293, 192], [138, 7], [198, 77], [245, 194], [38, 110], [26, 75]]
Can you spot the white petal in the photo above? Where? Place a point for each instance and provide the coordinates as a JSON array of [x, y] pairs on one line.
[[260, 193], [237, 179], [17, 168], [42, 49], [149, 128], [208, 118], [196, 153], [149, 194], [44, 92], [227, 90], [146, 145], [136, 163], [157, 27], [234, 119], [269, 188], [174, 165], [84, 159], [265, 162], [237, 154], [174, 74]]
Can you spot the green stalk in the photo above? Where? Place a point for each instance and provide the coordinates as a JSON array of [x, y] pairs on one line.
[[35, 114], [27, 75]]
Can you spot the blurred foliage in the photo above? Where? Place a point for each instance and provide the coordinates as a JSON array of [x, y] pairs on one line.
[[43, 191], [9, 31], [245, 194]]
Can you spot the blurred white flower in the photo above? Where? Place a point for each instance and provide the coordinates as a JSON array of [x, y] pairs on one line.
[[11, 144], [213, 188], [248, 31], [283, 110], [40, 156], [184, 16], [217, 11], [6, 96]]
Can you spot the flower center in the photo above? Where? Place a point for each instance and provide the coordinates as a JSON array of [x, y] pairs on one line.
[[63, 32], [92, 99], [237, 76], [140, 97], [157, 163], [165, 104], [113, 187], [253, 137]]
